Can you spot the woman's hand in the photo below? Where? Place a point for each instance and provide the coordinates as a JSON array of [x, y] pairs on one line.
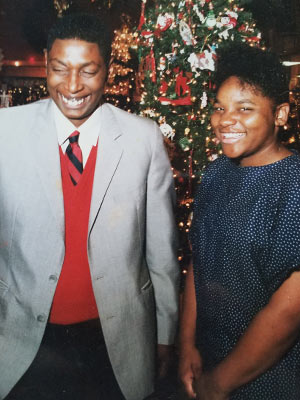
[[270, 334], [207, 388], [189, 369]]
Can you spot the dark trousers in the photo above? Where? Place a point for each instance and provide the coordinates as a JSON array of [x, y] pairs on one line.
[[71, 364]]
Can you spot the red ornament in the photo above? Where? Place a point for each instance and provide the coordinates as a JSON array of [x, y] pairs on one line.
[[150, 65], [182, 89], [142, 17], [163, 87]]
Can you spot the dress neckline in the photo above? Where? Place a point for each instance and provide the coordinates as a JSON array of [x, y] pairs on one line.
[[266, 166]]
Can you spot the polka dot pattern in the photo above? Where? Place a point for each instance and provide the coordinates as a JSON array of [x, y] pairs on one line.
[[246, 241]]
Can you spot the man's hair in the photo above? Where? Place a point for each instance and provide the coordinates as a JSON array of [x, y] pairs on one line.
[[258, 68], [85, 27]]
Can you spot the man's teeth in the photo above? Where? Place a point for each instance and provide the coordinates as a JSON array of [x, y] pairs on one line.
[[72, 102], [232, 135]]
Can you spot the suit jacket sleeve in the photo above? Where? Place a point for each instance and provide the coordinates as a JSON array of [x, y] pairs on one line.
[[161, 241]]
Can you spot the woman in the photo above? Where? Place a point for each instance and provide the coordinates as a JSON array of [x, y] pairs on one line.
[[240, 326]]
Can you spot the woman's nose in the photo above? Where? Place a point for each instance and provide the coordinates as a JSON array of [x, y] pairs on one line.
[[227, 118]]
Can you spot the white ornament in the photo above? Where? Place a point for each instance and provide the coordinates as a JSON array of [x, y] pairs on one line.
[[162, 63], [202, 61], [224, 35], [194, 61], [228, 21], [210, 21], [149, 112], [164, 21], [170, 57], [199, 13], [186, 33], [204, 100], [167, 130]]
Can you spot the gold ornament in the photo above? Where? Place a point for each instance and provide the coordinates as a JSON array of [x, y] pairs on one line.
[[61, 6]]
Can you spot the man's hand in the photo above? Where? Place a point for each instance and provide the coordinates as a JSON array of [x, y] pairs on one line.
[[165, 358], [190, 369]]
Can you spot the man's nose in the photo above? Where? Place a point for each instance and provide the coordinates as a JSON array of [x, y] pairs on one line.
[[74, 82]]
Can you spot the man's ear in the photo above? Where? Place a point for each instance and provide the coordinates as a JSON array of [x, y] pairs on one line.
[[282, 114]]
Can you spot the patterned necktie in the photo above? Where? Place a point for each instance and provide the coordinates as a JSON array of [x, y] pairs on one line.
[[74, 158]]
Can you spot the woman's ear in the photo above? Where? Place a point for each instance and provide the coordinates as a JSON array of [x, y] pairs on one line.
[[282, 114]]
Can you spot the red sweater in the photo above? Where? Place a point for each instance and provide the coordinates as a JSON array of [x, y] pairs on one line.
[[74, 299]]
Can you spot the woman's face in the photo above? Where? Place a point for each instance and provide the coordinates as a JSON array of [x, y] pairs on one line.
[[245, 123]]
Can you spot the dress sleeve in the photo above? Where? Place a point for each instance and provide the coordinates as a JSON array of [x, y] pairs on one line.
[[283, 252]]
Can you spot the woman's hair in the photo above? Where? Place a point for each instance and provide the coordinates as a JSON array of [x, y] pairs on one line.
[[258, 68], [85, 27]]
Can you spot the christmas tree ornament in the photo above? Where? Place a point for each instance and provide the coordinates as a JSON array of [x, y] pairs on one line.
[[200, 14], [210, 20], [164, 21], [184, 143], [186, 34], [203, 100], [61, 6], [142, 17], [162, 63], [167, 130]]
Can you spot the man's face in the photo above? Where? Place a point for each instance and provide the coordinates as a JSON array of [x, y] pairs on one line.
[[76, 74]]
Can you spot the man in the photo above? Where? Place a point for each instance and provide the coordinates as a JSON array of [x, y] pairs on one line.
[[86, 235]]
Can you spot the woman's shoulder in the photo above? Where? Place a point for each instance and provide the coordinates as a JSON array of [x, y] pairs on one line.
[[215, 167], [289, 168], [212, 174]]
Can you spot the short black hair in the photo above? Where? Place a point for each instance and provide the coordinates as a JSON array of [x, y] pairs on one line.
[[82, 26], [258, 68]]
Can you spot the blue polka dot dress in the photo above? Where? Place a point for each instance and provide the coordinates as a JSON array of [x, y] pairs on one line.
[[246, 241]]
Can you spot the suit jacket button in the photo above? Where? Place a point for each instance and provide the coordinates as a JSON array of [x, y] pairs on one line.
[[41, 318], [53, 278]]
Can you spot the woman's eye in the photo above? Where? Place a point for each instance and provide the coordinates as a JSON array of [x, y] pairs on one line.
[[246, 109], [218, 108]]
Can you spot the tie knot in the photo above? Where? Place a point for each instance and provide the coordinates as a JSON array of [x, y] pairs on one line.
[[73, 138]]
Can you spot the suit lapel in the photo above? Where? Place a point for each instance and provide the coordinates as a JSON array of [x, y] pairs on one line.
[[45, 145], [108, 157]]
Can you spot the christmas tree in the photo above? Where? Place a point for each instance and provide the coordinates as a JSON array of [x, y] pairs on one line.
[[120, 85], [178, 48]]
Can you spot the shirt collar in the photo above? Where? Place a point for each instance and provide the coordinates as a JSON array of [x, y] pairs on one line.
[[89, 130]]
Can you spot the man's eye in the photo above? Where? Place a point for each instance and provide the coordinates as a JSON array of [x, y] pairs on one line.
[[218, 108], [88, 73], [246, 109], [59, 70]]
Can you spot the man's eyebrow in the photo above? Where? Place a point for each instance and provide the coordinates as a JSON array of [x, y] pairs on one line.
[[82, 66], [57, 60]]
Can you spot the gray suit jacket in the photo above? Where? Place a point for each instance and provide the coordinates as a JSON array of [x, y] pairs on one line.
[[131, 242]]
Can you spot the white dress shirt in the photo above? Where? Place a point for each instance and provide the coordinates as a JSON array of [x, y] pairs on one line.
[[89, 131]]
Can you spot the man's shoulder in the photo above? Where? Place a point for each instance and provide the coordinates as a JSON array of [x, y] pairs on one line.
[[126, 118], [13, 114]]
